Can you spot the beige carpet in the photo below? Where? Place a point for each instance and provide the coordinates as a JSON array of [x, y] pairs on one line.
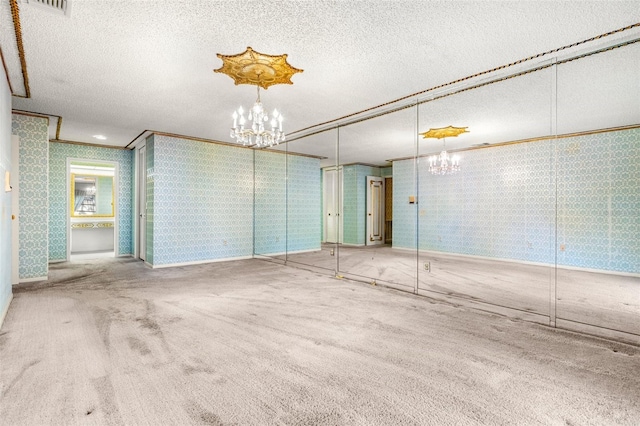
[[109, 341]]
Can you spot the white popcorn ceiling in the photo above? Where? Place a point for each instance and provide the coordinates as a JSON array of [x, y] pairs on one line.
[[119, 68]]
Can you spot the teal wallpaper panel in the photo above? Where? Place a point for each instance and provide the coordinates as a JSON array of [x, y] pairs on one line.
[[202, 201], [58, 211], [270, 202], [149, 149], [404, 214], [503, 203], [599, 201], [500, 205], [34, 194], [304, 195], [5, 197], [355, 201]]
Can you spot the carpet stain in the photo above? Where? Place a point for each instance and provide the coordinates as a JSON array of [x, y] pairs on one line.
[[193, 369], [102, 318], [106, 395], [199, 415], [138, 345], [19, 376]]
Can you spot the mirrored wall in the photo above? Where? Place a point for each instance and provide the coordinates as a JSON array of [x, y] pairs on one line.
[[541, 221]]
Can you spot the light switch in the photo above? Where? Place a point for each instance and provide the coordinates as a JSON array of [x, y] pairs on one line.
[[7, 181]]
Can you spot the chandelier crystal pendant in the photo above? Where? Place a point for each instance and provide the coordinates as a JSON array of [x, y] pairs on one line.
[[256, 132], [258, 129], [444, 164]]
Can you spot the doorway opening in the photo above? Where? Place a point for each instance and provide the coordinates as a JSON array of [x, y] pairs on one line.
[[92, 209]]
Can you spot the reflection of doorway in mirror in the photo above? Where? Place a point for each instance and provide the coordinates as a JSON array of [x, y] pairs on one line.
[[332, 182], [92, 210], [388, 210], [375, 211]]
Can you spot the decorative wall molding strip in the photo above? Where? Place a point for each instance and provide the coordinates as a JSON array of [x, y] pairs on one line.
[[15, 14], [30, 114], [40, 114], [87, 144], [6, 73]]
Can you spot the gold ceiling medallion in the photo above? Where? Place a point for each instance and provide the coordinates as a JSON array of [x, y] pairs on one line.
[[444, 164], [258, 69], [444, 132]]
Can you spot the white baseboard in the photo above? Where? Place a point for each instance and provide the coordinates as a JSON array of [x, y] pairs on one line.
[[34, 279], [198, 262], [282, 253], [521, 262], [5, 310]]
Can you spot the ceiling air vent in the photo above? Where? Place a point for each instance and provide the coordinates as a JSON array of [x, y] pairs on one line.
[[62, 7]]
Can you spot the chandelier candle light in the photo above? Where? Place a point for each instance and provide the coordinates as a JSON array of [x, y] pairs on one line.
[[444, 163], [261, 70]]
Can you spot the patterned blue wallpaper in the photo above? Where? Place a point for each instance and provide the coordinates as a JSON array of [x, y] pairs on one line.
[[304, 203], [5, 197], [34, 194], [58, 154], [202, 201], [500, 205], [355, 202], [270, 202], [503, 203], [599, 201], [404, 214]]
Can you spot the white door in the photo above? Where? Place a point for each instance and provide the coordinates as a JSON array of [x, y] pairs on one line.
[[15, 209], [375, 210], [142, 203], [332, 205]]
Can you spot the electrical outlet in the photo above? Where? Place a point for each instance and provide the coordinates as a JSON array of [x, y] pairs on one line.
[[427, 266], [562, 247], [332, 253]]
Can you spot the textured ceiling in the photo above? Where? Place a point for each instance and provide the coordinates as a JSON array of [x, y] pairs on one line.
[[118, 68]]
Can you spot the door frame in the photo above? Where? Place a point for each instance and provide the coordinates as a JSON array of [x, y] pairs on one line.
[[116, 212], [375, 211]]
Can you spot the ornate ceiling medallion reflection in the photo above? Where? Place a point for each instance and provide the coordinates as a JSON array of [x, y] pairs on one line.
[[260, 70], [444, 132], [444, 164]]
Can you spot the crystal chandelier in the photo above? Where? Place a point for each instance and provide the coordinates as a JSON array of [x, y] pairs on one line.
[[444, 164], [255, 133], [262, 70]]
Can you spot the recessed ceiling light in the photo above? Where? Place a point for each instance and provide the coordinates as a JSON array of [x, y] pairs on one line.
[[101, 137]]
